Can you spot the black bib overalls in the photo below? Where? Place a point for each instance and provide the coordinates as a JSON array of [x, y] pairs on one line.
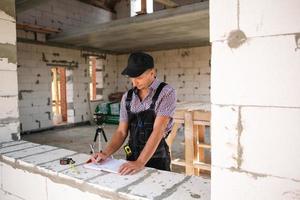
[[140, 125]]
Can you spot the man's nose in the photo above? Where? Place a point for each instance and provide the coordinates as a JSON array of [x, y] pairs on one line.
[[134, 82]]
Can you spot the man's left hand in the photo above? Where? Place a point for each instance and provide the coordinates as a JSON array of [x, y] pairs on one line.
[[131, 167]]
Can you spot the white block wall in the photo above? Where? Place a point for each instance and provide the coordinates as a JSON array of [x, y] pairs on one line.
[[110, 75], [31, 171], [255, 97], [34, 73], [34, 79], [187, 70], [9, 114]]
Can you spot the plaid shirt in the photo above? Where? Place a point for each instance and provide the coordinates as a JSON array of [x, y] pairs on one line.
[[164, 106]]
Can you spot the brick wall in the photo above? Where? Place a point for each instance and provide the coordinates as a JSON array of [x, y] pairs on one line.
[[187, 70], [46, 179], [9, 115], [34, 72], [35, 62], [255, 97]]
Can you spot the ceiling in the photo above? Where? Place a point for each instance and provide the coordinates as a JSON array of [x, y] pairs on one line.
[[23, 5], [185, 26]]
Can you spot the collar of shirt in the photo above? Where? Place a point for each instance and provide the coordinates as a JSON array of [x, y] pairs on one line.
[[152, 88], [154, 85]]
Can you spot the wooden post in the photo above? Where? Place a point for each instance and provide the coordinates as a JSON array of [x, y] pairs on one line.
[[200, 140], [196, 150], [143, 6], [56, 95], [63, 93], [93, 79], [189, 142]]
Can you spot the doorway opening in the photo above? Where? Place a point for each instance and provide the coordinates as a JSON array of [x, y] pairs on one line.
[[59, 96]]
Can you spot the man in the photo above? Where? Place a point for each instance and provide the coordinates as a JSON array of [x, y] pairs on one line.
[[146, 113]]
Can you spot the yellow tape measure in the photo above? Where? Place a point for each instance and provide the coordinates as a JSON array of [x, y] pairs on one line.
[[127, 150]]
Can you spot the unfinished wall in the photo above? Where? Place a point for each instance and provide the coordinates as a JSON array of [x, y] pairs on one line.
[[35, 62], [46, 179], [35, 100], [110, 75], [256, 99], [187, 70], [9, 115]]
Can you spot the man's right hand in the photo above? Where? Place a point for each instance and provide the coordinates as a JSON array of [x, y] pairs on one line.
[[98, 157]]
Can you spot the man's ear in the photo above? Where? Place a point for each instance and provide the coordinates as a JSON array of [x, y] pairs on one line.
[[153, 72]]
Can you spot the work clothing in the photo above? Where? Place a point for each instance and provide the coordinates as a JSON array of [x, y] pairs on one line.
[[165, 104], [140, 126]]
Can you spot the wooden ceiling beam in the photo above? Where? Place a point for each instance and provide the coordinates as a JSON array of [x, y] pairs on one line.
[[37, 29]]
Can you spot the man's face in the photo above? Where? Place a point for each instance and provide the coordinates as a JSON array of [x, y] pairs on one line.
[[144, 80]]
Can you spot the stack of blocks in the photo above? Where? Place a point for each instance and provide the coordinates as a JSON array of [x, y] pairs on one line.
[[46, 179], [255, 99]]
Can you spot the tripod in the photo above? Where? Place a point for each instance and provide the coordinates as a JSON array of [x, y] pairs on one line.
[[99, 119]]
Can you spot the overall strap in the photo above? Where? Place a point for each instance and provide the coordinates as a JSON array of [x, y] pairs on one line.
[[128, 99], [156, 95]]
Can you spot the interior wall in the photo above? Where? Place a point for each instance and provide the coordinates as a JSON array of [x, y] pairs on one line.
[[34, 72], [255, 99], [187, 70], [9, 115], [35, 61]]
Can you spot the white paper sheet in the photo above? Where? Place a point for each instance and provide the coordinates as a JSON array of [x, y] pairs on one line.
[[109, 165]]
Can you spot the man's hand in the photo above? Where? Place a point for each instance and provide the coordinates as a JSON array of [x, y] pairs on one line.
[[98, 157], [131, 167]]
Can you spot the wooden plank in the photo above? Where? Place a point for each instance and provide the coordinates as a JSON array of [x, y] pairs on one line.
[[168, 3], [179, 162], [94, 82], [189, 142], [202, 165], [200, 139], [143, 6], [63, 93], [196, 150], [179, 121], [179, 115], [204, 123], [196, 164], [199, 115], [203, 145], [36, 28]]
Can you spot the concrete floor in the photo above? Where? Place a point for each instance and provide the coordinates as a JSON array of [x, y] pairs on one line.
[[79, 138]]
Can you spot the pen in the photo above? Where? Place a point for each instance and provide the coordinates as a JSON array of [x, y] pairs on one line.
[[92, 149]]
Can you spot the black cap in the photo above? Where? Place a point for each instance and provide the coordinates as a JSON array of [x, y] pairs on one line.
[[138, 63]]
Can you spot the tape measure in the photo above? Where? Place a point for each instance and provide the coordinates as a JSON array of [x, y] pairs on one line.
[[127, 150], [66, 161]]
